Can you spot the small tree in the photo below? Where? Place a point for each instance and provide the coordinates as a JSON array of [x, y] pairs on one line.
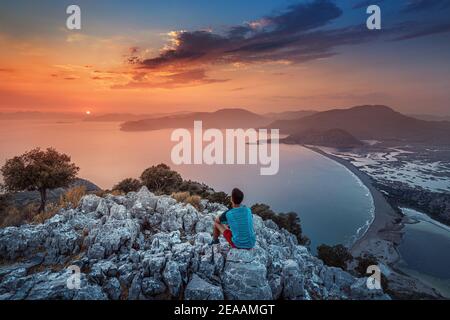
[[219, 197], [335, 256], [39, 170], [289, 221], [128, 185], [161, 179]]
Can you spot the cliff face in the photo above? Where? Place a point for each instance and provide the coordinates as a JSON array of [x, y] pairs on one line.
[[142, 246]]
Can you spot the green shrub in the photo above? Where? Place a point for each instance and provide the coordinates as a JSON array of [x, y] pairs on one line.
[[128, 185], [334, 256], [219, 197], [161, 179], [289, 221]]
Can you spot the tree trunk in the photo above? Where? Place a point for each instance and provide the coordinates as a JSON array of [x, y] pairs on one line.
[[43, 193]]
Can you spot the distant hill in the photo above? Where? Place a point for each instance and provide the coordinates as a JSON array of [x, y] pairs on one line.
[[430, 117], [336, 138], [224, 118], [115, 117], [370, 122], [289, 115], [123, 117]]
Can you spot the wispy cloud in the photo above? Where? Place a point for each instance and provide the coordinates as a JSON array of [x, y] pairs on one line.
[[419, 5], [418, 32], [366, 3], [185, 78], [287, 35]]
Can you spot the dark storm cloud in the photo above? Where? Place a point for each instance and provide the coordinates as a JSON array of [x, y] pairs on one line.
[[301, 33], [261, 40]]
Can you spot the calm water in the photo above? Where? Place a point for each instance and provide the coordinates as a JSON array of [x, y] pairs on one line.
[[331, 202], [425, 251]]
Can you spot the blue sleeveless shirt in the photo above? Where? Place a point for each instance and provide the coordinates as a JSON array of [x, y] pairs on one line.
[[240, 221]]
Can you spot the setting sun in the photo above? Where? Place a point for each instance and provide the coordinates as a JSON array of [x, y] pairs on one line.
[[88, 112]]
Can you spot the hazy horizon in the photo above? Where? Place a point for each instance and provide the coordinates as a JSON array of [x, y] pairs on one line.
[[83, 114]]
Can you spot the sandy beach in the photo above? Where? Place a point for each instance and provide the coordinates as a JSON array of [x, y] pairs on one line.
[[385, 230], [383, 236]]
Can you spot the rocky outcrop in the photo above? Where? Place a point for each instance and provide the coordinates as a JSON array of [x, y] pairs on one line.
[[142, 246]]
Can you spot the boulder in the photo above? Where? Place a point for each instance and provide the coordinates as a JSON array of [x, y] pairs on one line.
[[172, 278], [152, 287], [199, 289], [118, 211], [89, 203], [112, 288], [96, 251], [293, 281], [116, 234], [245, 276], [146, 199]]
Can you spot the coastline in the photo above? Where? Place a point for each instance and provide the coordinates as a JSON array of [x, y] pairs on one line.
[[384, 232], [382, 238]]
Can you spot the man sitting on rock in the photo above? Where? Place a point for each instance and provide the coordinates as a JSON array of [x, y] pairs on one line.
[[236, 224]]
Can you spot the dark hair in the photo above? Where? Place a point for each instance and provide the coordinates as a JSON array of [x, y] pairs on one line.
[[237, 196]]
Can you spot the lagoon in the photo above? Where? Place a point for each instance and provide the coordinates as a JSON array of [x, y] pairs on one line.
[[332, 203], [424, 251]]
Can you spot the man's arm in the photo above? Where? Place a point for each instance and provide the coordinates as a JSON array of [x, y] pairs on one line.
[[222, 218]]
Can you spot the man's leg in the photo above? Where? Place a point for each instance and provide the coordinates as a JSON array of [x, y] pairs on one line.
[[218, 230]]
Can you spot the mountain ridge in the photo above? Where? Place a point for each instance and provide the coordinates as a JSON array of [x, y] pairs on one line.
[[370, 122], [222, 118]]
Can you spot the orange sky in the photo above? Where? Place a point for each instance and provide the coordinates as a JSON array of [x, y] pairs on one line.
[[75, 71], [80, 73]]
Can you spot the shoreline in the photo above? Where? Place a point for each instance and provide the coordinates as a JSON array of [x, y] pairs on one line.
[[384, 232], [383, 236]]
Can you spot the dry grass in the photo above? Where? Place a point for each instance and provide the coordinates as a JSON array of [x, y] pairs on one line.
[[117, 193], [194, 201], [13, 216], [101, 193], [186, 197], [72, 197], [180, 196], [50, 210]]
